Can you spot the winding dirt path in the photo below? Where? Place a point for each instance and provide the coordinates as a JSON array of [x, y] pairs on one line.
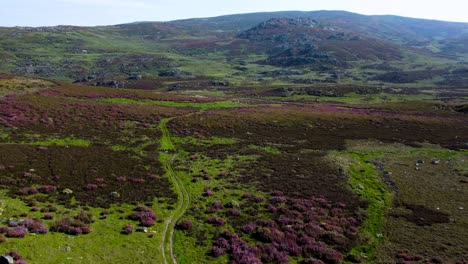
[[183, 201]]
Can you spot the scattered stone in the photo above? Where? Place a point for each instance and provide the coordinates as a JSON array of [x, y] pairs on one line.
[[435, 162], [460, 208], [65, 248], [115, 195], [175, 73], [136, 77], [67, 192], [219, 83], [88, 78], [420, 162], [175, 87], [6, 260]]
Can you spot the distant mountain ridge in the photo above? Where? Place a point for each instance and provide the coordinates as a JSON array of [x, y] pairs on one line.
[[335, 46]]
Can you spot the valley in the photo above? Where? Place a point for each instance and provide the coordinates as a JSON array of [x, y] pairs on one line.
[[289, 137]]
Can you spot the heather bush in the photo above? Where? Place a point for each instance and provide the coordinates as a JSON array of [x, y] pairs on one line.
[[48, 209], [216, 221], [2, 239], [85, 217], [17, 232], [312, 261], [91, 187], [128, 229], [27, 191], [47, 189], [185, 225], [3, 229], [70, 226], [277, 200], [144, 215], [248, 228], [35, 226], [217, 251], [259, 199], [247, 196], [271, 254], [136, 180], [207, 192], [233, 212], [85, 230], [16, 256], [121, 179]]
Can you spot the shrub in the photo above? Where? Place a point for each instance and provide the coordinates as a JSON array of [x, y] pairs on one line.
[[122, 179], [217, 251], [277, 193], [185, 225], [2, 239], [3, 229], [17, 232], [128, 229], [91, 187], [35, 226], [218, 205], [28, 191], [144, 215], [277, 200], [259, 199], [48, 216], [49, 208], [85, 230], [136, 180], [247, 196], [47, 189], [70, 226], [16, 256], [223, 243], [147, 222], [249, 228], [85, 217], [312, 261], [74, 230], [233, 212], [207, 192], [216, 221]]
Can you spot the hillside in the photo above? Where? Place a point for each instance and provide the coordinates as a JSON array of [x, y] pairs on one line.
[[276, 138], [326, 46]]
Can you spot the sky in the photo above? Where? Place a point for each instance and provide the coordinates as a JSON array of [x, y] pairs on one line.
[[111, 12]]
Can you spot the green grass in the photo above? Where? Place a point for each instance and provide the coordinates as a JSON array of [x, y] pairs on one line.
[[104, 244], [365, 181], [62, 142], [353, 98], [267, 149], [204, 141], [208, 105]]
